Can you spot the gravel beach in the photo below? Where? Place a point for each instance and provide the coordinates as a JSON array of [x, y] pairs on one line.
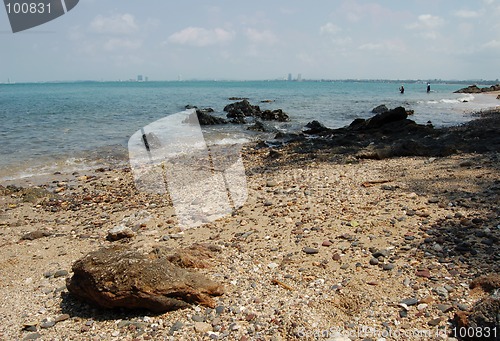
[[327, 246]]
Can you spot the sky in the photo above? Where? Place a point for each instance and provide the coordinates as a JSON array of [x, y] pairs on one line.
[[258, 40]]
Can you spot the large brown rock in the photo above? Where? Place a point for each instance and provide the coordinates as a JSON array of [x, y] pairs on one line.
[[123, 277]]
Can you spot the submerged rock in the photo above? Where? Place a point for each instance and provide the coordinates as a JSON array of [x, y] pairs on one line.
[[121, 276]]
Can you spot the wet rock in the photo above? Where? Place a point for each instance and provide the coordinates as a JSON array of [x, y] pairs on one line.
[[122, 277], [204, 118], [273, 115], [380, 109], [315, 127]]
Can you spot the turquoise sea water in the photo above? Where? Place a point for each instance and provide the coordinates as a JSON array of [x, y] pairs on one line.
[[49, 127]]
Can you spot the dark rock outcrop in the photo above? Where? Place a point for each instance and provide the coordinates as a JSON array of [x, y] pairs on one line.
[[206, 119], [239, 111], [123, 277], [273, 115], [263, 127], [474, 89], [380, 109], [316, 127]]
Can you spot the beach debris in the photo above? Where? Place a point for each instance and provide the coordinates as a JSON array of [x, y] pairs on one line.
[[281, 284], [374, 182], [121, 276]]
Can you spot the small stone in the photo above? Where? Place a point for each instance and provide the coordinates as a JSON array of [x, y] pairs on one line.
[[336, 256], [403, 313], [326, 243], [61, 273], [441, 291], [345, 266], [409, 301], [176, 327], [434, 322], [372, 283], [310, 250], [271, 183], [61, 318], [433, 200], [32, 336], [374, 261], [198, 318], [388, 266], [47, 324], [30, 326], [120, 232], [423, 273], [444, 307], [202, 327], [422, 306], [219, 309], [115, 333]]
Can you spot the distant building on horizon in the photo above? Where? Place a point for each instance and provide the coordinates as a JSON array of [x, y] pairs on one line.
[[289, 77], [139, 78], [299, 77]]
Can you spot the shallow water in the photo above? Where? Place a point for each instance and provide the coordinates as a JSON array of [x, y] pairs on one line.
[[74, 126]]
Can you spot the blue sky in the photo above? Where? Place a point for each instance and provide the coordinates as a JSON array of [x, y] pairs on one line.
[[246, 40]]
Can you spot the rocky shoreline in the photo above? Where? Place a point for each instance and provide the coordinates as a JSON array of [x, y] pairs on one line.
[[379, 230]]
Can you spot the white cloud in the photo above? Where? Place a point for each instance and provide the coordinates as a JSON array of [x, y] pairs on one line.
[[117, 24], [330, 28], [466, 14], [260, 37], [198, 36]]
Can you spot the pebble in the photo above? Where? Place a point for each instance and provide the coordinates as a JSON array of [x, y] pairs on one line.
[[336, 256], [326, 243], [388, 266], [61, 273], [422, 306], [434, 322], [310, 250], [423, 273], [374, 261], [441, 291], [271, 183], [202, 327], [409, 301], [433, 200], [175, 327], [444, 307], [32, 336], [219, 309]]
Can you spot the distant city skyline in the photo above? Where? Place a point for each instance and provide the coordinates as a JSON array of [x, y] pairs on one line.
[[344, 39]]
